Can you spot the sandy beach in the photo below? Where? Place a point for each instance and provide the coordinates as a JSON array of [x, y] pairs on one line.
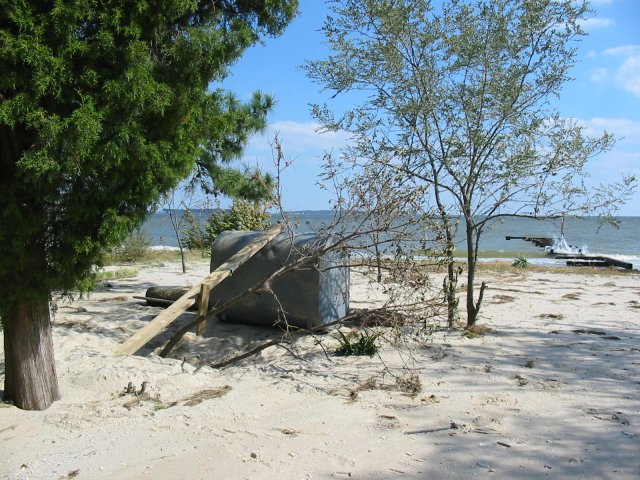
[[551, 390]]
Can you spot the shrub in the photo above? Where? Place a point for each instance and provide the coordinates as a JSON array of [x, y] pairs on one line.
[[520, 262], [362, 343], [243, 215], [194, 235], [134, 248]]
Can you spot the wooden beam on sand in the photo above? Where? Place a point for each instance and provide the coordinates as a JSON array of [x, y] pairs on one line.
[[166, 317]]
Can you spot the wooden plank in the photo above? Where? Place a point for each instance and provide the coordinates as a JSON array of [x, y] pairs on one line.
[[203, 308], [185, 302]]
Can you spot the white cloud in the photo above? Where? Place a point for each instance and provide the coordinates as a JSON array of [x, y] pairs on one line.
[[591, 23], [627, 73], [622, 51], [609, 167], [300, 139], [622, 128]]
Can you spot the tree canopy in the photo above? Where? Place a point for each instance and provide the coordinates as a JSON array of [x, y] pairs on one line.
[[104, 107], [459, 97]]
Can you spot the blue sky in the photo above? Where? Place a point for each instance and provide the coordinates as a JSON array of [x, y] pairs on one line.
[[605, 95]]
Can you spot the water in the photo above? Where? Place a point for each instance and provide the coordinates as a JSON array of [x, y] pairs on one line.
[[622, 243]]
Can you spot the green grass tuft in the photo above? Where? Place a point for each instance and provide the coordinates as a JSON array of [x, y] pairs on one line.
[[520, 262], [362, 343], [115, 274]]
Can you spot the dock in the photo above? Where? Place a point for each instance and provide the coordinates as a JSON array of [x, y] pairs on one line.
[[593, 261], [537, 241], [575, 259]]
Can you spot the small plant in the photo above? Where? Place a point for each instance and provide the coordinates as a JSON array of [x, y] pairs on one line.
[[115, 274], [409, 383], [103, 276], [134, 248], [194, 235], [520, 262], [362, 343]]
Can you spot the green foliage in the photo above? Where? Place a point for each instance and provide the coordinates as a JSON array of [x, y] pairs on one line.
[[102, 276], [243, 215], [246, 184], [357, 343], [134, 248], [104, 107], [457, 98], [194, 236], [520, 262], [226, 139], [116, 274]]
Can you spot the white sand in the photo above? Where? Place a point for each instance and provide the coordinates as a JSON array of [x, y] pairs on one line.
[[541, 395]]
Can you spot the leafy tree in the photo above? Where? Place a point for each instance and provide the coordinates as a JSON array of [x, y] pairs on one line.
[[460, 97], [104, 107]]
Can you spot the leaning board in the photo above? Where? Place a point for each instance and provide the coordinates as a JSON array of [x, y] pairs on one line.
[[166, 317]]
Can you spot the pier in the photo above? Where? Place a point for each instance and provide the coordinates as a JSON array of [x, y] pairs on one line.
[[577, 259], [593, 261], [537, 241]]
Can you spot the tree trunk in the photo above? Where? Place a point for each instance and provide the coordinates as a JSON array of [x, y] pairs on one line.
[[473, 307], [450, 286], [450, 283], [472, 311], [376, 246], [30, 380]]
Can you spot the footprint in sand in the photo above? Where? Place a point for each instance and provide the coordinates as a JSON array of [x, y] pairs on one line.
[[388, 422], [572, 296]]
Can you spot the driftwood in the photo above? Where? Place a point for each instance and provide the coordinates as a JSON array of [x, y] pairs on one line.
[[163, 296], [452, 426], [253, 351]]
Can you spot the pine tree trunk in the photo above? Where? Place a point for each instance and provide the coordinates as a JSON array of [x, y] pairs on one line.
[[30, 380]]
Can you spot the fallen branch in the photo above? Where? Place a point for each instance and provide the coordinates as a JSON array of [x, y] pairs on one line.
[[253, 351], [452, 426]]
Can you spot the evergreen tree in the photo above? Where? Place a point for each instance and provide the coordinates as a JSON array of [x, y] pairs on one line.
[[104, 107], [225, 143]]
